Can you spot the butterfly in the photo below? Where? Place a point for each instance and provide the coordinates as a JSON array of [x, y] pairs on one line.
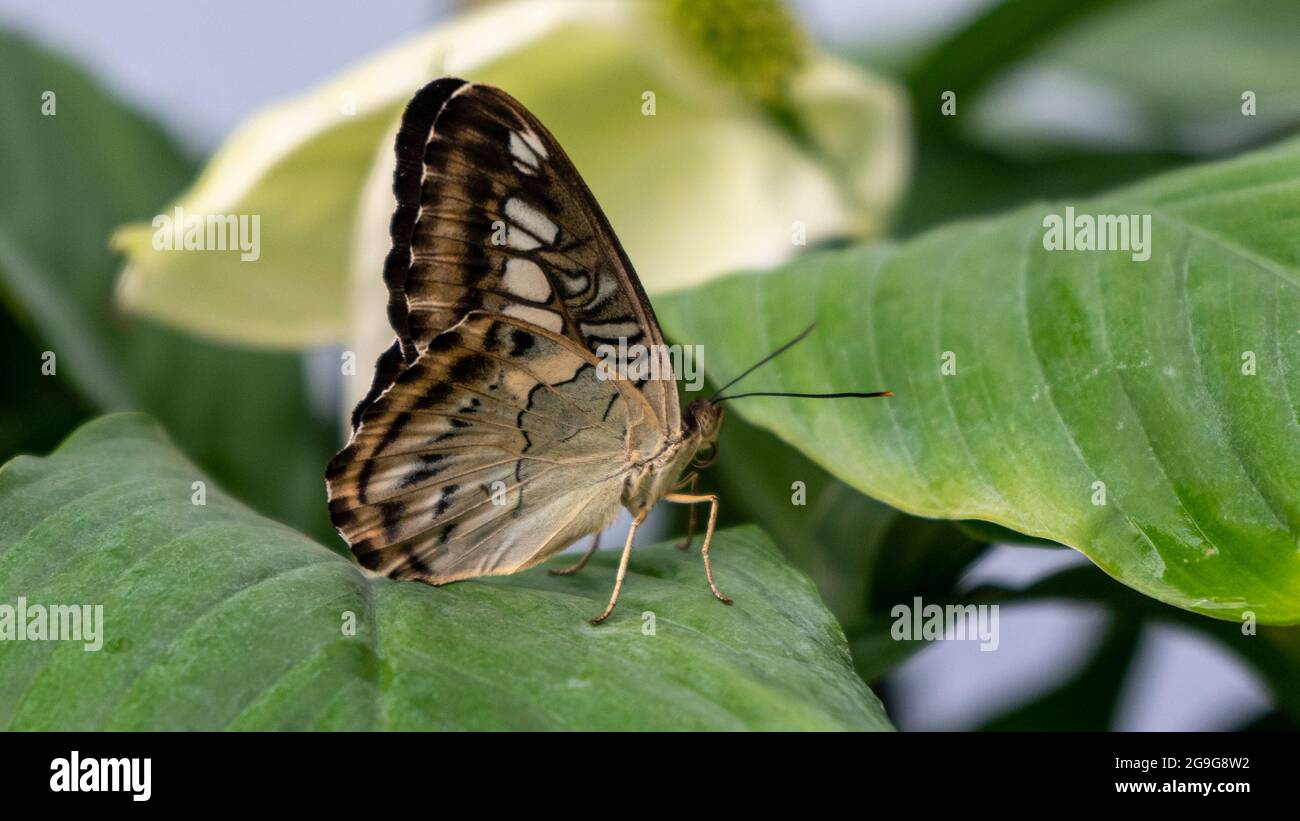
[[495, 433]]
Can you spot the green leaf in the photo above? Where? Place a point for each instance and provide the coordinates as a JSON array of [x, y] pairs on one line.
[[755, 477], [217, 618], [954, 179], [1072, 369], [75, 175], [989, 532], [1177, 68], [864, 556], [974, 54], [36, 411]]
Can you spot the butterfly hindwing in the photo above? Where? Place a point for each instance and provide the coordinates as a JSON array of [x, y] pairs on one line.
[[387, 368], [500, 445]]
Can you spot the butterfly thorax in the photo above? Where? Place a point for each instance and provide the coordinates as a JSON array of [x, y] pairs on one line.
[[653, 478]]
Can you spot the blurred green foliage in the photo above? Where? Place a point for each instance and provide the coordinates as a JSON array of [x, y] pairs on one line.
[[69, 179]]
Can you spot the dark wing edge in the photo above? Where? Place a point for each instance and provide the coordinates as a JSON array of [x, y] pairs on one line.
[[418, 122], [388, 367]]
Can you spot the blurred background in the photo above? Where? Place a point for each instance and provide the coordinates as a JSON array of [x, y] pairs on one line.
[[1057, 99]]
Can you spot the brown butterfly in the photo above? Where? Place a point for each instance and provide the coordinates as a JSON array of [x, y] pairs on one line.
[[492, 437]]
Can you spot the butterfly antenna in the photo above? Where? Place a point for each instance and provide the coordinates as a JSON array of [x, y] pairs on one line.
[[773, 355], [851, 395]]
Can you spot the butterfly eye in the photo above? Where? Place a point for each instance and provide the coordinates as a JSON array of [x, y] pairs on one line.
[[705, 457]]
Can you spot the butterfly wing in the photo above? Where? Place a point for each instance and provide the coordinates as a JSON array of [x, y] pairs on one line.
[[499, 446], [489, 439], [492, 215]]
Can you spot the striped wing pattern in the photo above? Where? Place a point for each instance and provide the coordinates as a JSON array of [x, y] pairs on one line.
[[496, 449], [487, 442], [492, 215]]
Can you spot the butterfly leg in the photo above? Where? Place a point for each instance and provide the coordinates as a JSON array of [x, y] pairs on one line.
[[622, 567], [712, 499], [689, 485], [580, 563]]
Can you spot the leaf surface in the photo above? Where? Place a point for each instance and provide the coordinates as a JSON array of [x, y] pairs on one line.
[[218, 618]]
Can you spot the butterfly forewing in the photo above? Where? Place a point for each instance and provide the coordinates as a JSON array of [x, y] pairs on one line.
[[493, 216]]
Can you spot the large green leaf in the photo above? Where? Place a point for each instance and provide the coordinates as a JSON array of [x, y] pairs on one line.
[[1071, 369], [218, 618], [68, 179], [864, 556]]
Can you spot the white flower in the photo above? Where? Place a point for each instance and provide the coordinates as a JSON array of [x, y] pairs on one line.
[[707, 184]]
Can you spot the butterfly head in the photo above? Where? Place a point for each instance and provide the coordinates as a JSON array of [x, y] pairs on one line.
[[706, 421]]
